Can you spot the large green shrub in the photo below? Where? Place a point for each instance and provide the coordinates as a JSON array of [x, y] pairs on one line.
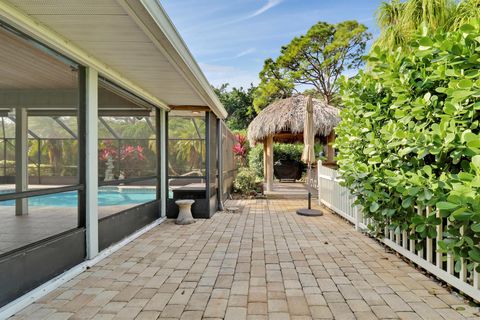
[[281, 151], [409, 137], [255, 159], [245, 181]]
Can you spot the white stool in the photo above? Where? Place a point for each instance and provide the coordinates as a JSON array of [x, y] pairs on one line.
[[185, 212], [232, 209]]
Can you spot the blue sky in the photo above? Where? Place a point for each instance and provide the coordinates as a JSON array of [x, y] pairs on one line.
[[230, 39]]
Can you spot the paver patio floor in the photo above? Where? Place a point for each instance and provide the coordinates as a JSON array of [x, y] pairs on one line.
[[265, 262]]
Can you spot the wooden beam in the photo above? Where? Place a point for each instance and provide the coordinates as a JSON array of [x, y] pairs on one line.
[[190, 108], [287, 135]]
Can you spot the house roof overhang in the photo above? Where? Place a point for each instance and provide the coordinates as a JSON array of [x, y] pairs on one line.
[[133, 43]]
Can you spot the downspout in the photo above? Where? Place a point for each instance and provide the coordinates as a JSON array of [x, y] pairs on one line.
[[220, 164]]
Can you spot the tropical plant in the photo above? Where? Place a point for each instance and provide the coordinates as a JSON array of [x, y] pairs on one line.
[[465, 11], [132, 153], [58, 155], [130, 127], [410, 139], [389, 19], [245, 181], [240, 148], [315, 59], [132, 159], [107, 151], [400, 20], [186, 147]]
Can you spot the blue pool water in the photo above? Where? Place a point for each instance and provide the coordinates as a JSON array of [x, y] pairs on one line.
[[105, 198]]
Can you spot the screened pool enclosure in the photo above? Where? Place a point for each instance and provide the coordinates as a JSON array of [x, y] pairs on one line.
[[48, 157], [52, 148], [192, 161], [87, 158]]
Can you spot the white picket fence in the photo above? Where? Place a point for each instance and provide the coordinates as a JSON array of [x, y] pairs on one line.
[[340, 200]]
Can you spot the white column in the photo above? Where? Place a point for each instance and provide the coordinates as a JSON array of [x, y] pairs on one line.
[[358, 217], [163, 163], [21, 159], [91, 167]]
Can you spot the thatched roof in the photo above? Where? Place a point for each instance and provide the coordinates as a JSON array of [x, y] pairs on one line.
[[287, 116]]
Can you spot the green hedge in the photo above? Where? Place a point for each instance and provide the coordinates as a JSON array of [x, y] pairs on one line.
[[409, 137], [281, 151], [46, 170]]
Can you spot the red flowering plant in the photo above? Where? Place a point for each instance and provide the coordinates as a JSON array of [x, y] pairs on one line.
[[240, 148], [107, 151], [107, 154], [132, 160], [132, 153]]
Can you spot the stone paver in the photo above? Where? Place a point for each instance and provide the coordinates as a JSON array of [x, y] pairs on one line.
[[265, 262]]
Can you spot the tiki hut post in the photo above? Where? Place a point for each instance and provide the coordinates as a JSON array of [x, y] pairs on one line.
[[268, 163], [264, 159], [330, 149]]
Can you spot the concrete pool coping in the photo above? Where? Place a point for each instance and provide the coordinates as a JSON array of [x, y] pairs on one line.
[[4, 187]]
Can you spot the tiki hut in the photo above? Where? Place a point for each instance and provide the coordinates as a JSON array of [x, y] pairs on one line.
[[283, 121]]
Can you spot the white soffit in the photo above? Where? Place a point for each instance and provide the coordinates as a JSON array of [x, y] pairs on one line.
[[130, 38]]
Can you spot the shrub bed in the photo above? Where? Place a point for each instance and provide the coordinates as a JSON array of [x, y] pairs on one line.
[[245, 182]]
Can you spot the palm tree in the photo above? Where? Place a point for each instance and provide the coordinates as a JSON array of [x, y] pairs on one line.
[[434, 14], [389, 19], [400, 20], [187, 149], [465, 12]]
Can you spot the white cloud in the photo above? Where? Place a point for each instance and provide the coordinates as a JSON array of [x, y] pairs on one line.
[[269, 5], [230, 21], [244, 53]]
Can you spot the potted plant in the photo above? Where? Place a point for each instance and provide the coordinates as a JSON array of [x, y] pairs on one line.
[[288, 166]]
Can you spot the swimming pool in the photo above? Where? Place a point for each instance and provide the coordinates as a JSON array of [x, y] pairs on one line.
[[106, 197]]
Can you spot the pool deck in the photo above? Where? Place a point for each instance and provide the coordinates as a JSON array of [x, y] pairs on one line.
[[45, 221], [40, 223], [265, 262]]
